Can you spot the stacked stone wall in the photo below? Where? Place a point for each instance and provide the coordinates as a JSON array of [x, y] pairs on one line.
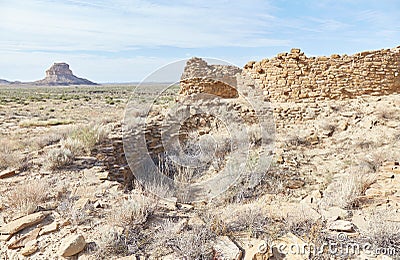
[[294, 77], [200, 77]]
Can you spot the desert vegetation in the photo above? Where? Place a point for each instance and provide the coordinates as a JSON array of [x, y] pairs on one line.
[[334, 170]]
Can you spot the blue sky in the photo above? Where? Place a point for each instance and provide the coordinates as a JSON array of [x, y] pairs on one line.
[[125, 40]]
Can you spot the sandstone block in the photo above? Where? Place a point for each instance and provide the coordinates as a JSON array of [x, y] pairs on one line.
[[341, 225], [225, 249], [72, 245]]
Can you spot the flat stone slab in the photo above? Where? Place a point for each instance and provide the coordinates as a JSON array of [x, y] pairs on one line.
[[21, 223], [8, 173], [341, 225]]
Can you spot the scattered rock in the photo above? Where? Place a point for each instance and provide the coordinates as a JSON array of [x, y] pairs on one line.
[[384, 257], [72, 245], [168, 204], [195, 221], [49, 228], [343, 126], [185, 207], [30, 248], [295, 184], [334, 213], [65, 222], [257, 249], [224, 248], [313, 140], [22, 241], [360, 221], [98, 204], [392, 124], [102, 175], [373, 192], [21, 223], [342, 226], [8, 173], [347, 114], [280, 159], [81, 203]]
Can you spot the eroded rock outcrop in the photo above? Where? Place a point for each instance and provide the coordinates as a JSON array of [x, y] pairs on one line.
[[60, 74], [4, 82]]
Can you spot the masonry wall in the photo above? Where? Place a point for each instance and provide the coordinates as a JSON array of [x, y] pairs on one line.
[[294, 77], [200, 77]]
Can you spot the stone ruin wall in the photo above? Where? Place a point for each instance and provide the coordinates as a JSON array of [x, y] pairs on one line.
[[293, 83], [294, 77], [200, 77]]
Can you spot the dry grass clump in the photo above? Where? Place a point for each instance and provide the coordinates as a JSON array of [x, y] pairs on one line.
[[382, 233], [250, 218], [301, 224], [77, 216], [133, 211], [76, 146], [11, 160], [83, 139], [345, 192], [26, 197], [10, 155], [194, 242], [117, 242], [124, 236], [57, 158], [374, 159], [311, 230], [49, 138]]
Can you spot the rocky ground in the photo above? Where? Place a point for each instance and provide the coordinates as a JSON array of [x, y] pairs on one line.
[[334, 182]]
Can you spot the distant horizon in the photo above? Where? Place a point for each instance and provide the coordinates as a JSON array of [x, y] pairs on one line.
[[16, 82], [124, 41], [167, 81]]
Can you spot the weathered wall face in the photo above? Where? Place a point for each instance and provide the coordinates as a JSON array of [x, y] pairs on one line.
[[209, 86], [200, 77], [295, 77]]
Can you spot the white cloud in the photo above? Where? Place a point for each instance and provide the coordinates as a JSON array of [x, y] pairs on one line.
[[118, 40], [119, 25]]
